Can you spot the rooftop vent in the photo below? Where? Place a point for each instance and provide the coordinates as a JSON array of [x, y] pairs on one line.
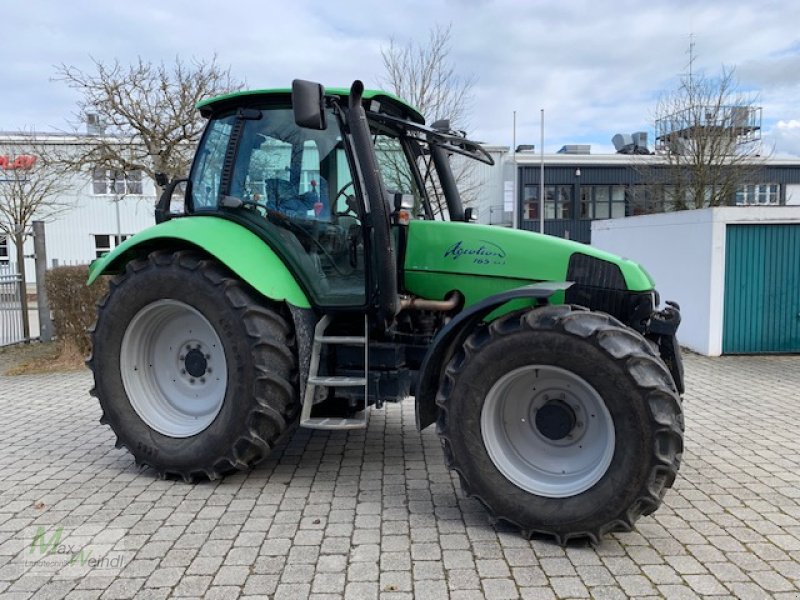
[[627, 143], [576, 149], [526, 148]]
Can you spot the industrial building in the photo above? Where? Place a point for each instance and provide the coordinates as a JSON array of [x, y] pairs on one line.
[[581, 187], [98, 209]]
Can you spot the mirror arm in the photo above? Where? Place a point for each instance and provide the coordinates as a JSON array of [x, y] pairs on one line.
[[162, 212]]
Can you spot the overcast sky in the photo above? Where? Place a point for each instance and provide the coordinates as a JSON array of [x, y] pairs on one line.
[[596, 67]]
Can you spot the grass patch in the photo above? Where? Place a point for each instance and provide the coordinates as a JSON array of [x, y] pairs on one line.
[[37, 357]]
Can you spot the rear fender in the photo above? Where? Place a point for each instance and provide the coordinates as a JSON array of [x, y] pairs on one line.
[[239, 249], [456, 332]]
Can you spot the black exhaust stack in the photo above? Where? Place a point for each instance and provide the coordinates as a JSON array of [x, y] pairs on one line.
[[384, 265]]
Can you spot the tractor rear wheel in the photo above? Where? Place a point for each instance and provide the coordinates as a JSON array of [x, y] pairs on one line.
[[561, 421], [194, 374]]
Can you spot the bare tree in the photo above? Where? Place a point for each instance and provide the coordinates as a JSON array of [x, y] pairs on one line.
[[424, 75], [707, 133], [146, 112], [32, 186]]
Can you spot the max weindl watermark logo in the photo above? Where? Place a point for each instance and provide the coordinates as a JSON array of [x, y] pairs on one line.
[[60, 549]]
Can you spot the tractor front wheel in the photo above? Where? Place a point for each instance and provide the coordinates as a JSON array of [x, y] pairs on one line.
[[561, 421], [193, 373]]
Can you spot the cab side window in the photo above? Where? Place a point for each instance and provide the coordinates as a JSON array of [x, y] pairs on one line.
[[302, 184], [207, 168]]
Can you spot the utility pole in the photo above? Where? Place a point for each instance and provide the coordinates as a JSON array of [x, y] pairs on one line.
[[541, 177], [515, 204]]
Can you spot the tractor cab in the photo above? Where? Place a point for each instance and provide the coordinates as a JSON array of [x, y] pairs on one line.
[[296, 167]]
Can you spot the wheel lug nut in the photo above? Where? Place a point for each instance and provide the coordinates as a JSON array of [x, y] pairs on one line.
[[183, 371], [182, 357], [208, 356], [191, 380], [202, 380], [208, 370]]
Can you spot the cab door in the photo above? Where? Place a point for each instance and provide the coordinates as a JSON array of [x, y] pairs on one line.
[[302, 181]]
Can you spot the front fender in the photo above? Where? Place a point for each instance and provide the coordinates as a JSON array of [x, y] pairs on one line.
[[456, 332], [240, 250]]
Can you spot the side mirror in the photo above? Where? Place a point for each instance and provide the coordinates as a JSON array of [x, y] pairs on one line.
[[470, 214], [308, 103]]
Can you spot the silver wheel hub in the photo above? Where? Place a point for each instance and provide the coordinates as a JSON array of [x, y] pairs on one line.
[[173, 368], [547, 431]]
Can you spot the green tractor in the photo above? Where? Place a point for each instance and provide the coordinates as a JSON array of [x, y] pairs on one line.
[[308, 271]]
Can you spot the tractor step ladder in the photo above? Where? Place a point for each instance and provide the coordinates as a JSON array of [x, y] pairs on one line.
[[315, 379]]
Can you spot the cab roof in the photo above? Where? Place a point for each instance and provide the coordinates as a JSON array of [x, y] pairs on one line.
[[386, 100]]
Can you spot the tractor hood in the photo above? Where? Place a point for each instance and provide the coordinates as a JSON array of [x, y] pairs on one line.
[[442, 256]]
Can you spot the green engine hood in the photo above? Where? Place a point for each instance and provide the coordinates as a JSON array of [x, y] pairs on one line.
[[480, 260]]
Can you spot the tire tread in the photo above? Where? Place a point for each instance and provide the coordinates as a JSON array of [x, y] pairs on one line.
[[621, 345], [270, 417]]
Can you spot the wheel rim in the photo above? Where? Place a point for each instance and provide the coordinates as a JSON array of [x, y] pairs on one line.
[[547, 431], [173, 368]]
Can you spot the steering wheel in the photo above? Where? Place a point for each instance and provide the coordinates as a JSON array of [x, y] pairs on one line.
[[351, 209]]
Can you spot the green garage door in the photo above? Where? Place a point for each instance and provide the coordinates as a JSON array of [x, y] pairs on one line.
[[762, 289]]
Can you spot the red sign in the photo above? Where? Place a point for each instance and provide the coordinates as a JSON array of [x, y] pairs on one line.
[[23, 161]]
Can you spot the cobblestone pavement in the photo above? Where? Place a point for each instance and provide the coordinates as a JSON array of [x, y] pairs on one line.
[[375, 514]]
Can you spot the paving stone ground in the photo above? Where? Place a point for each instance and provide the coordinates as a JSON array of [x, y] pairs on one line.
[[375, 514]]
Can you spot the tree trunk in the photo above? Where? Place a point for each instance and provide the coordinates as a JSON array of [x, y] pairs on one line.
[[19, 241]]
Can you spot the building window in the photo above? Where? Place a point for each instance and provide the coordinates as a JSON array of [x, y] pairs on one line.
[[645, 200], [602, 201], [557, 202], [106, 242], [4, 257], [107, 182], [758, 194]]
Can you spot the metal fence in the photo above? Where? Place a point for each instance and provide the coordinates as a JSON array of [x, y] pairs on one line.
[[10, 306]]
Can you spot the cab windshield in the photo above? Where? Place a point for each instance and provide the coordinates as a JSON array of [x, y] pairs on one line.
[[404, 153], [399, 170]]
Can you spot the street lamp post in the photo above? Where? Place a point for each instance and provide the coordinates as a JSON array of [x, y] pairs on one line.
[[541, 177]]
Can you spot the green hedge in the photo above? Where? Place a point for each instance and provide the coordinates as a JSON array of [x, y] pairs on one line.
[[73, 304]]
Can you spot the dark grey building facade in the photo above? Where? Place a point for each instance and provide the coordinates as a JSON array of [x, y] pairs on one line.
[[583, 188]]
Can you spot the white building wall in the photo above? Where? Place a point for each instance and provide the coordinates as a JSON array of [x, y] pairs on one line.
[[70, 233], [792, 194], [685, 253], [677, 250], [80, 215], [70, 237], [482, 187]]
